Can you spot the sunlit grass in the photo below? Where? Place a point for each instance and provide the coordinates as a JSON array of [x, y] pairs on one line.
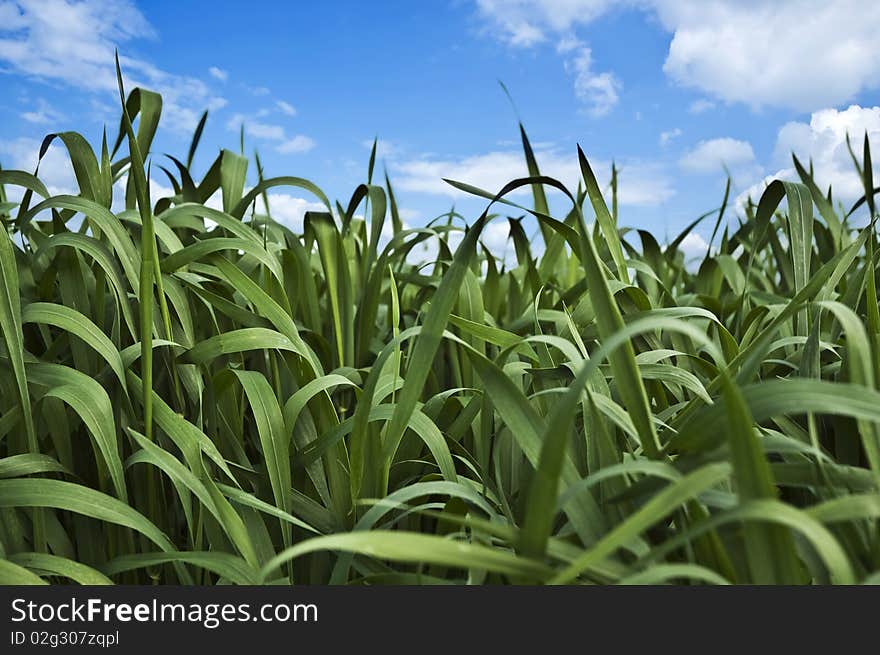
[[190, 395]]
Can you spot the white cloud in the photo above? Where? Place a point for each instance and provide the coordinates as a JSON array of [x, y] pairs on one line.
[[524, 23], [599, 91], [800, 54], [710, 156], [285, 144], [755, 190], [297, 144], [700, 106], [38, 117], [823, 140], [640, 183], [290, 210], [286, 108], [74, 43], [218, 73], [568, 43], [68, 41], [55, 169], [254, 128], [668, 136], [43, 114], [693, 245], [496, 235]]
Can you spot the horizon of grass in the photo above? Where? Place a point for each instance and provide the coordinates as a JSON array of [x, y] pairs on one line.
[[191, 395]]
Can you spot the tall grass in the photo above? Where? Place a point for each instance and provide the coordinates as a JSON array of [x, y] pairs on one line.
[[193, 395]]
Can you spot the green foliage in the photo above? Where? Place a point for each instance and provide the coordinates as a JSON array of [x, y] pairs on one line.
[[191, 395]]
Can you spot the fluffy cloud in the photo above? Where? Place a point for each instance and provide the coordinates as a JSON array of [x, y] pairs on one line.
[[668, 136], [297, 144], [750, 51], [524, 23], [55, 169], [754, 191], [693, 246], [257, 129], [496, 237], [218, 73], [68, 41], [290, 210], [74, 43], [599, 91], [44, 114], [801, 54], [700, 106], [822, 141], [286, 108], [712, 155], [639, 183]]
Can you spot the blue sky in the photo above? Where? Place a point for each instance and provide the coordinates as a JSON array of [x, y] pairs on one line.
[[671, 90]]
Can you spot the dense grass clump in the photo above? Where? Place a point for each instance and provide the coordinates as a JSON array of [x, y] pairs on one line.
[[190, 395]]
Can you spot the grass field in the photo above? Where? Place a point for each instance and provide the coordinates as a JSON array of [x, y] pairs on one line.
[[196, 396]]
